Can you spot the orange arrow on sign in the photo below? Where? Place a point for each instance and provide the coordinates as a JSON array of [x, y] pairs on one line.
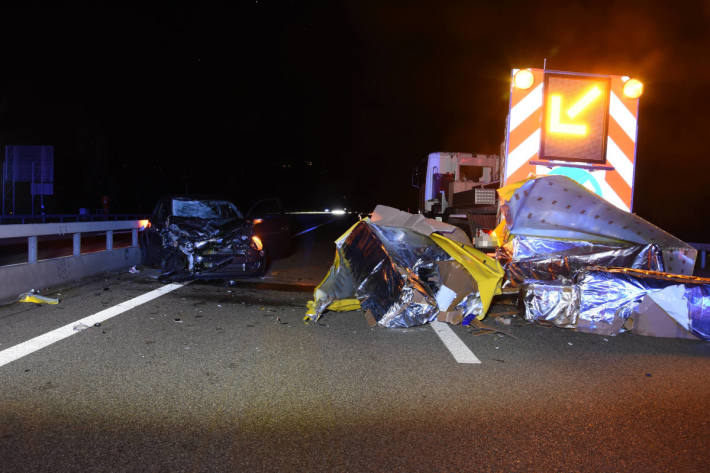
[[556, 125]]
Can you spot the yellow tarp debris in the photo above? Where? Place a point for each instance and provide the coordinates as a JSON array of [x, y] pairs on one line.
[[501, 233], [487, 272], [340, 304], [37, 299], [506, 192]]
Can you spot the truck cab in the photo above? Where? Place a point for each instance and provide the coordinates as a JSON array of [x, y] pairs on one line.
[[460, 188]]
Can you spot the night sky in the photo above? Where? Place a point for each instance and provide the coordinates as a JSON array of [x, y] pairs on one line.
[[333, 103]]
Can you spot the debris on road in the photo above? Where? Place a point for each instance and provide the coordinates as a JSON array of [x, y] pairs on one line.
[[133, 270], [585, 264], [554, 227], [551, 303], [456, 284], [576, 261], [80, 327], [477, 327], [546, 259], [34, 297], [405, 270], [609, 301]]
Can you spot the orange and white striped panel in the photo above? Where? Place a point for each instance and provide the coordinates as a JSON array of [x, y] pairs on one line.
[[524, 132]]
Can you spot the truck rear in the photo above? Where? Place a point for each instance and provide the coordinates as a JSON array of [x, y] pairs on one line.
[[460, 188]]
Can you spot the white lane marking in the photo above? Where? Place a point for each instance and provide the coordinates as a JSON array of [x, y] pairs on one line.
[[462, 354], [30, 346]]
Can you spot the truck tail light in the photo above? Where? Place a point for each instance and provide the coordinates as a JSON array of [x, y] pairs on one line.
[[523, 79], [633, 88]]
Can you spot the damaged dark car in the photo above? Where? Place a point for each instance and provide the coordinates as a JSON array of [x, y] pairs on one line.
[[206, 238]]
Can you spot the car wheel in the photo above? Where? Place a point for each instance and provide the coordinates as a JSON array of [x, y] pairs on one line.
[[263, 266]]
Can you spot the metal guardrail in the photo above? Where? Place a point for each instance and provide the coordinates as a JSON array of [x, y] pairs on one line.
[[19, 278], [33, 230], [61, 218]]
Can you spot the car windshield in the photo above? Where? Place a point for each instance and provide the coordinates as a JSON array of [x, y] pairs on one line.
[[205, 209]]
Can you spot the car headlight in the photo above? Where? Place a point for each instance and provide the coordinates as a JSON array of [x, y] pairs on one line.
[[256, 242]]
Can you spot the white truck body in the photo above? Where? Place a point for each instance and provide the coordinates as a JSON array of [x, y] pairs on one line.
[[467, 171]]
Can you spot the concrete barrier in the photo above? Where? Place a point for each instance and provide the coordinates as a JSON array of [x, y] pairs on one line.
[[40, 274], [19, 278]]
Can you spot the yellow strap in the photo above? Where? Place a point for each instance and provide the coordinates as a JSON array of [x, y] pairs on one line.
[[501, 233], [487, 272], [506, 192]]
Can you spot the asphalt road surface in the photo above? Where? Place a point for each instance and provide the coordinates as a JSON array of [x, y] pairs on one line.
[[217, 377]]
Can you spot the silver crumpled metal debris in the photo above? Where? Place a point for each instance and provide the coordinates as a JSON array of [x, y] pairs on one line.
[[547, 259], [551, 302], [471, 306], [604, 299], [610, 296], [555, 206], [392, 271]]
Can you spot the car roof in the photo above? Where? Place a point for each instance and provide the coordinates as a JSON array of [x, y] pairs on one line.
[[195, 197]]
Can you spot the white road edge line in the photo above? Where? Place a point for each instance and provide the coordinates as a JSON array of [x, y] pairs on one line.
[[30, 346], [461, 353]]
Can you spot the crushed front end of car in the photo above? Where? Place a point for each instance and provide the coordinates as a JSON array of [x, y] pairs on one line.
[[199, 248]]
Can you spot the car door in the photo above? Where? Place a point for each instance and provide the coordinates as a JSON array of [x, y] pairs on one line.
[[151, 242], [272, 226]]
